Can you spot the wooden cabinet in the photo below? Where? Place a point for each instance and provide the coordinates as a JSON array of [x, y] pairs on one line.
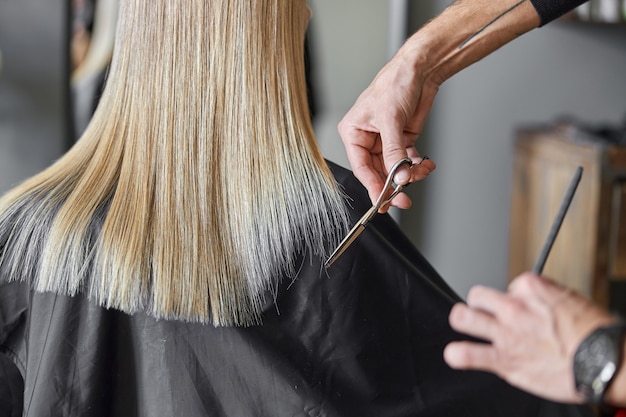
[[589, 254]]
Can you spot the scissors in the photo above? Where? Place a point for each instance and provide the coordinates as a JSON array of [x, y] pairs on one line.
[[383, 199]]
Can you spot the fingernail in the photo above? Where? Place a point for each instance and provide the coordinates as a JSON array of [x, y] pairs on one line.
[[402, 177]]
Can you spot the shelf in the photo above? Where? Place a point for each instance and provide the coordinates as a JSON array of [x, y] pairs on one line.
[[599, 12]]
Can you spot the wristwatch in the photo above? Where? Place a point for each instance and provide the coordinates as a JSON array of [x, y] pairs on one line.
[[597, 360]]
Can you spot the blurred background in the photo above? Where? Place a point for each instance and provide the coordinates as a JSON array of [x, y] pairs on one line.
[[34, 86], [53, 57], [461, 214]]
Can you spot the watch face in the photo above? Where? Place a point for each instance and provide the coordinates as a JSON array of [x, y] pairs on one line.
[[596, 361], [594, 358]]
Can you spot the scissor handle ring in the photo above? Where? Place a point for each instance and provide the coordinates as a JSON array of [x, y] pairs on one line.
[[381, 201]]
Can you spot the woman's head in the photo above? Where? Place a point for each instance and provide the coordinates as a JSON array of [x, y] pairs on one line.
[[202, 160]]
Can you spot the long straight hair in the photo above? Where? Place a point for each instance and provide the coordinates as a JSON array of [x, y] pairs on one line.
[[198, 184]]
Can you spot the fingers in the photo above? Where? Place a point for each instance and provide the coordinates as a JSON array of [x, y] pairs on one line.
[[372, 152], [362, 156], [470, 355], [403, 175], [538, 290], [368, 168], [576, 314], [485, 312], [488, 299], [381, 127], [405, 129], [394, 148], [531, 283], [476, 323], [392, 153], [421, 169]]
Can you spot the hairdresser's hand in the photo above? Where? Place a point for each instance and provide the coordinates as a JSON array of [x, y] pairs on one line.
[[534, 330], [384, 123]]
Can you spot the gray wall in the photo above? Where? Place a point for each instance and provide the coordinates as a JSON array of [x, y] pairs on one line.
[[33, 86], [349, 41], [460, 218], [560, 69]]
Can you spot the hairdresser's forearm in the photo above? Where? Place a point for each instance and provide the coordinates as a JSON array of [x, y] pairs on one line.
[[464, 33]]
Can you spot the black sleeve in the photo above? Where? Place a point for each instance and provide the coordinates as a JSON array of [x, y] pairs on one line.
[[549, 10]]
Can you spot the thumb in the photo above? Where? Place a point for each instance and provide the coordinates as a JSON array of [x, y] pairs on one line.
[[394, 151]]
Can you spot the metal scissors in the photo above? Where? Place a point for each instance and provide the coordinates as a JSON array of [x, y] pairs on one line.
[[383, 199]]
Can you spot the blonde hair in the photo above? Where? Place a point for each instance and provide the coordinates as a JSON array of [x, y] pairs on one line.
[[198, 184]]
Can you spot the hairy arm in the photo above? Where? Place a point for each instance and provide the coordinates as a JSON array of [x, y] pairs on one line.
[[466, 32], [387, 118]]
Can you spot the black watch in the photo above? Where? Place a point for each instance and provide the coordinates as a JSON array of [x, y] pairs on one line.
[[597, 360]]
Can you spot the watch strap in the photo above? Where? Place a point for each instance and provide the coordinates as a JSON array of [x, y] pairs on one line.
[[597, 360]]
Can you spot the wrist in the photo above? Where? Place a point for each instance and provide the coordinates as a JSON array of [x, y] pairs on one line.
[[616, 392], [599, 365], [463, 34], [428, 50]]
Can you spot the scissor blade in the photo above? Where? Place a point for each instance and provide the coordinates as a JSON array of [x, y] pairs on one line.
[[347, 241], [356, 230]]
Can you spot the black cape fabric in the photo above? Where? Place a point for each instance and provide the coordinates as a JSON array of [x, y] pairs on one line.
[[363, 338]]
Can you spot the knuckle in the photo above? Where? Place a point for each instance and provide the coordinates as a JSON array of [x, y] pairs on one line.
[[475, 293], [458, 314], [342, 126], [512, 310], [523, 284]]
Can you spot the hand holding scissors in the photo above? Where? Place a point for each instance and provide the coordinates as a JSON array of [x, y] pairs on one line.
[[390, 190]]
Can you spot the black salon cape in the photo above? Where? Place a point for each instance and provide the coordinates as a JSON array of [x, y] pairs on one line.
[[364, 338]]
